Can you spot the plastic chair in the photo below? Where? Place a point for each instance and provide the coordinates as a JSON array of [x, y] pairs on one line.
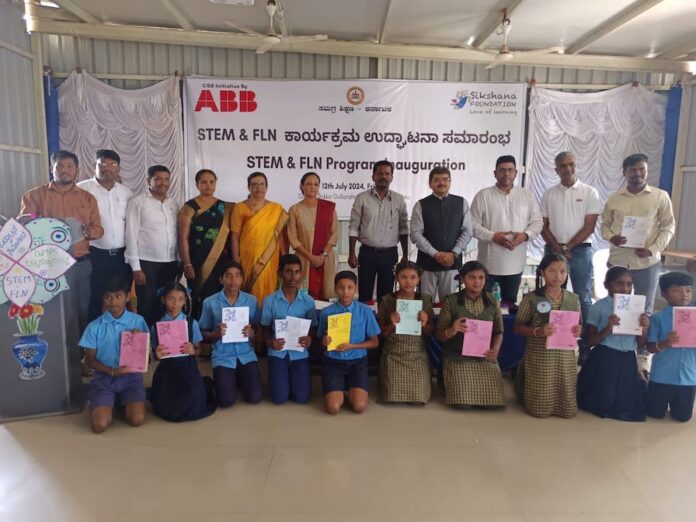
[[599, 263]]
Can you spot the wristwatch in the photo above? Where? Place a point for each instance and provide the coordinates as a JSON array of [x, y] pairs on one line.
[[324, 253]]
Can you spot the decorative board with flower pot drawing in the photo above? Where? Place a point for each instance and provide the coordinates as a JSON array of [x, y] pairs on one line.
[[33, 261]]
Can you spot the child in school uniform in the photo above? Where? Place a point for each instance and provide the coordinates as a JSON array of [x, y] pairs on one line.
[[288, 370], [346, 366], [179, 392], [546, 379], [471, 381], [609, 384], [404, 365], [673, 373], [113, 385], [232, 362]]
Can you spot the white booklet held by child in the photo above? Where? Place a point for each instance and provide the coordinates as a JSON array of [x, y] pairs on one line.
[[291, 329], [628, 308], [236, 318], [408, 316]]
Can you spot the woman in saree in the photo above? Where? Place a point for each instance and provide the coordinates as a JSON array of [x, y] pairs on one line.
[[258, 238], [313, 234], [204, 240]]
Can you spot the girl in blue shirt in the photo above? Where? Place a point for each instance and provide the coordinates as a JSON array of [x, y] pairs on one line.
[[609, 384], [179, 392]]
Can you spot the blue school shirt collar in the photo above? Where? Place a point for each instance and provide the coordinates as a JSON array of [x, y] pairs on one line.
[[299, 297], [180, 317], [349, 308], [239, 302], [110, 319]]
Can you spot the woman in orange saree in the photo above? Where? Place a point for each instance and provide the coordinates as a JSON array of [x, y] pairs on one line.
[[258, 238]]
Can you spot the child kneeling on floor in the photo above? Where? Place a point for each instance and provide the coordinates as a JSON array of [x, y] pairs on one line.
[[113, 384], [345, 367], [673, 373]]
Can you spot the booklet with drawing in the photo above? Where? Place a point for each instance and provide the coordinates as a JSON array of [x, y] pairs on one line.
[[172, 335], [563, 337], [628, 308], [339, 329], [135, 351], [634, 229], [477, 339], [236, 318], [684, 319], [291, 329], [408, 316]]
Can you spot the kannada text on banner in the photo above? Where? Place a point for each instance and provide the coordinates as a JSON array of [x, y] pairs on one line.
[[339, 129]]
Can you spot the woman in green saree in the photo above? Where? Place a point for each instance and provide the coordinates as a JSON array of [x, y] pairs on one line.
[[204, 239]]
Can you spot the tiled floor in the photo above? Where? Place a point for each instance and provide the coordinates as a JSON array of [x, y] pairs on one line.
[[294, 463]]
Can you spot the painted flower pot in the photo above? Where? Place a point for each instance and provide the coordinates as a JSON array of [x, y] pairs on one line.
[[30, 351]]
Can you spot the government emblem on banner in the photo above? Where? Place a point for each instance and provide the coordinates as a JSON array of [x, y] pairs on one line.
[[460, 101], [355, 95]]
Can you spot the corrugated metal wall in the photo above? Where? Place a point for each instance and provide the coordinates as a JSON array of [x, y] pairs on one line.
[[469, 72], [64, 53], [18, 170], [686, 232]]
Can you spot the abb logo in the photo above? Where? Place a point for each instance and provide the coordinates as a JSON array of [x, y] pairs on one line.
[[230, 101]]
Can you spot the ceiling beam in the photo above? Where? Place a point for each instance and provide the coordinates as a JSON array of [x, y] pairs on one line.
[[385, 21], [77, 10], [612, 24], [491, 23], [177, 14], [681, 49], [343, 48]]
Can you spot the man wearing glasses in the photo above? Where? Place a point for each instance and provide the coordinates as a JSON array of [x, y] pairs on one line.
[[107, 253], [505, 219]]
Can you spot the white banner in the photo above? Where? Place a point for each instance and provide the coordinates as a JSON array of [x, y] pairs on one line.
[[340, 128]]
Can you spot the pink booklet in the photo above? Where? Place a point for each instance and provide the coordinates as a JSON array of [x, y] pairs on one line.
[[135, 351], [172, 335], [477, 340], [563, 338], [684, 319]]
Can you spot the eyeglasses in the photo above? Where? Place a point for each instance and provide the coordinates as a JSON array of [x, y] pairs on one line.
[[107, 164], [257, 185]]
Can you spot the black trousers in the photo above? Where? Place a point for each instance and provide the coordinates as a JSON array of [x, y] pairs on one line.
[[156, 276], [509, 286], [106, 264], [376, 263]]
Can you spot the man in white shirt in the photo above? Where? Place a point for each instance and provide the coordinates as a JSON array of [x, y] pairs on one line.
[[151, 241], [107, 253], [570, 211], [505, 218]]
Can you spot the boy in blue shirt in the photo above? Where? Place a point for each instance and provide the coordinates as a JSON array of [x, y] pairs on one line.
[[288, 370], [346, 366], [232, 361], [673, 372], [102, 344]]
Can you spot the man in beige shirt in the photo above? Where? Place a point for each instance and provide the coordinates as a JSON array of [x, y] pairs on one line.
[[638, 199], [62, 199]]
